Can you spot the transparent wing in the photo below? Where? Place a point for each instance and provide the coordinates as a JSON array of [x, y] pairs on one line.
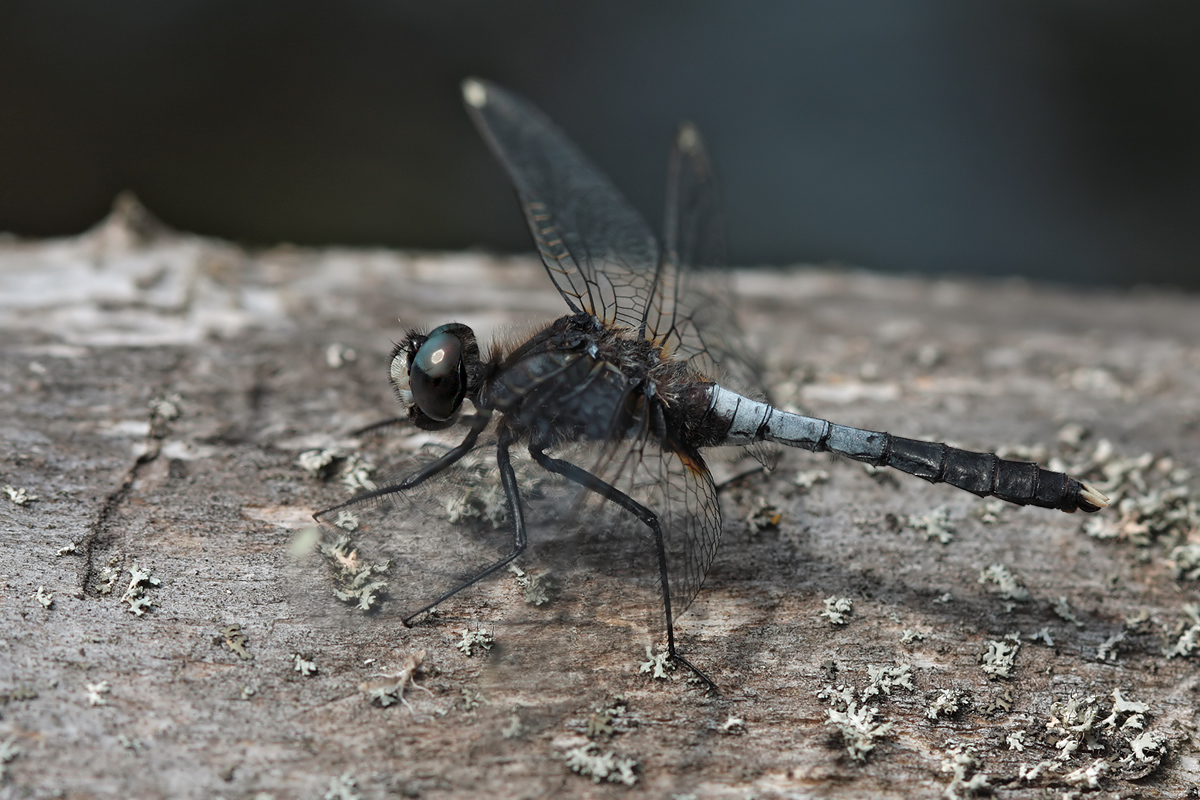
[[673, 483], [678, 488], [692, 314], [601, 254], [599, 251]]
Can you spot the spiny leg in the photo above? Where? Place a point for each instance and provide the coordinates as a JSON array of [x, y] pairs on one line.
[[508, 480], [378, 426], [609, 492], [420, 476]]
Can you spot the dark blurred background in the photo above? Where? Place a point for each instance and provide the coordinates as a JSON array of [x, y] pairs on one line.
[[1052, 139]]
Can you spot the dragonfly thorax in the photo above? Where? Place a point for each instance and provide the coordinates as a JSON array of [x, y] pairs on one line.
[[576, 380]]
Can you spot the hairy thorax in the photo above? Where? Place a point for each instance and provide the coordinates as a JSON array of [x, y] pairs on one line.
[[578, 380]]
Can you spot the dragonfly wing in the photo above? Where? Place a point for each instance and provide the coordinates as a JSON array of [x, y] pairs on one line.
[[599, 251], [673, 483], [692, 314]]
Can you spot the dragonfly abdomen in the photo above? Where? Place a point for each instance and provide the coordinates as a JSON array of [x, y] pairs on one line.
[[747, 421]]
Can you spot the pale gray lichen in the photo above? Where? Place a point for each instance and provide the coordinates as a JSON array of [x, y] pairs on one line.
[[356, 474], [536, 587], [355, 580], [164, 409], [46, 599], [733, 726], [480, 495], [19, 495], [1125, 713], [69, 549], [343, 787], [337, 355], [318, 463], [1000, 657], [1077, 721], [130, 743], [1088, 777], [346, 520], [588, 761], [472, 639], [1185, 560], [806, 479], [9, 750], [1107, 651], [109, 576], [657, 665], [1188, 637], [1000, 702], [935, 524], [514, 729], [928, 355], [1010, 587], [908, 636], [763, 516], [947, 704], [608, 719], [96, 693], [966, 778], [1150, 496], [305, 666], [1016, 741], [1071, 435], [884, 679], [22, 693], [990, 509], [1062, 608], [599, 725], [135, 593], [472, 700], [389, 689], [836, 610], [1042, 635], [858, 727], [1136, 620], [840, 696], [1031, 773], [234, 639], [1146, 747]]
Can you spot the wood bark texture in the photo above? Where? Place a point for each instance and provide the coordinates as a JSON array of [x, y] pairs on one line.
[[159, 638]]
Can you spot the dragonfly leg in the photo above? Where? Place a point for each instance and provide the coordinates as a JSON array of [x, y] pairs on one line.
[[378, 426], [508, 480], [420, 476], [611, 493]]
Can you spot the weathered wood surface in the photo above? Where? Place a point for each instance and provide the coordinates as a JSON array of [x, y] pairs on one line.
[[96, 327]]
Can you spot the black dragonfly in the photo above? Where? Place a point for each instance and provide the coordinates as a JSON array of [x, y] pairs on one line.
[[618, 398]]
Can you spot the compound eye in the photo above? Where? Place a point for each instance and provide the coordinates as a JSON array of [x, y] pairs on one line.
[[436, 376]]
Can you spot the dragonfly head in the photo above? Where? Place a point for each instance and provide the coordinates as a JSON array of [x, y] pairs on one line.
[[432, 373]]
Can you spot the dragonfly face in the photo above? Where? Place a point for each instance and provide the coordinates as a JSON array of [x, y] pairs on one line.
[[431, 373]]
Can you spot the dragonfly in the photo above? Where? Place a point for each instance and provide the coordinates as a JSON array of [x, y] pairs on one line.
[[618, 399]]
